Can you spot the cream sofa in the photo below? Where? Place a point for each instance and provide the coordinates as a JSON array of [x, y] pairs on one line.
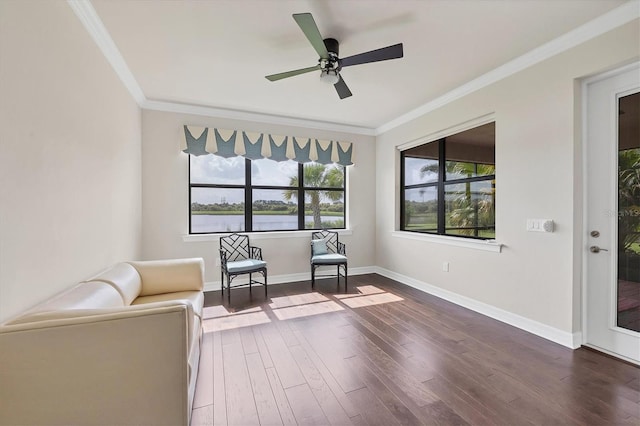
[[121, 348]]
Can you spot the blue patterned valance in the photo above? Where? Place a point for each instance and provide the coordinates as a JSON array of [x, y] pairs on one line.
[[231, 143]]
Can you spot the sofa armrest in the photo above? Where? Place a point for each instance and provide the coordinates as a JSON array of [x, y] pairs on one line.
[[169, 276], [124, 367]]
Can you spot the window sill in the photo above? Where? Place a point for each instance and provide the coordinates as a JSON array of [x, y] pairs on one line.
[[485, 245], [192, 238]]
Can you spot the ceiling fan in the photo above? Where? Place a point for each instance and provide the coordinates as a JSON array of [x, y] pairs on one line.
[[329, 63]]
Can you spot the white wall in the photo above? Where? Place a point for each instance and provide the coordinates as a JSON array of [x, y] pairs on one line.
[[165, 191], [537, 113], [69, 156]]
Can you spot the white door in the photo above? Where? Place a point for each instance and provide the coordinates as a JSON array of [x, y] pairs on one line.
[[612, 251]]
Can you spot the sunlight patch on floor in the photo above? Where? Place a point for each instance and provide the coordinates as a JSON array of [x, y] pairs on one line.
[[306, 310], [235, 321], [218, 318], [363, 290], [220, 311], [368, 295], [297, 299]]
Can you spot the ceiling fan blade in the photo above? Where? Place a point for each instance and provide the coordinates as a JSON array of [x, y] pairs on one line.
[[280, 76], [342, 89], [383, 54], [310, 29]]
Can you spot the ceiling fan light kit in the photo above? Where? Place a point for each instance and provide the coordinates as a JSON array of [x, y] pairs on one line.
[[329, 62], [329, 76]]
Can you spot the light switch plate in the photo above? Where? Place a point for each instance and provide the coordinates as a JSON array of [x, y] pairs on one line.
[[540, 225]]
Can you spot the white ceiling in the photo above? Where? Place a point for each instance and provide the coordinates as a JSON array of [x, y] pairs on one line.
[[216, 53]]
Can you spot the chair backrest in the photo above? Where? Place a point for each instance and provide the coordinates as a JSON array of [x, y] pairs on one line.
[[236, 246], [330, 238]]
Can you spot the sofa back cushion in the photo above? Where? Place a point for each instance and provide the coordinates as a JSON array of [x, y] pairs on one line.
[[168, 276], [88, 295], [125, 279]]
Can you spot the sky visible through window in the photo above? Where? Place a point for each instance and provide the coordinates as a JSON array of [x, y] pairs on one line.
[[230, 171]]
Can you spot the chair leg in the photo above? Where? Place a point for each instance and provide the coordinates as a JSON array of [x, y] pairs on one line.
[[222, 280], [228, 289], [250, 281], [345, 277], [313, 277], [338, 277], [265, 283]]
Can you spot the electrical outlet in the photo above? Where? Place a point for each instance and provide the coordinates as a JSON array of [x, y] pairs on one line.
[[445, 266]]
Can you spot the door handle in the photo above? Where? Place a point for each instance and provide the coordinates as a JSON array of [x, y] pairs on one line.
[[596, 249]]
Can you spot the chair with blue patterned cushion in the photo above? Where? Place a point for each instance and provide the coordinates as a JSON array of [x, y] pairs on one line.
[[238, 257], [327, 250]]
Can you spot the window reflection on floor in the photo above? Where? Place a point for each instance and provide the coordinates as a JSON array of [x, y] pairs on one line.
[[307, 310], [369, 295], [296, 300], [218, 318]]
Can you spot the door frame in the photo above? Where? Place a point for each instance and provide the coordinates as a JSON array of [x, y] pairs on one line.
[[583, 240]]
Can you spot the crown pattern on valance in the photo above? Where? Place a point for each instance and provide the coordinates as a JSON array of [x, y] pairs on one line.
[[231, 143]]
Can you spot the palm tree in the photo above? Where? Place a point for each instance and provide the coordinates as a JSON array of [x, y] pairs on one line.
[[466, 212], [318, 176]]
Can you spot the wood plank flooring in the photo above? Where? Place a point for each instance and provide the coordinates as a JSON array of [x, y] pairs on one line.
[[387, 354]]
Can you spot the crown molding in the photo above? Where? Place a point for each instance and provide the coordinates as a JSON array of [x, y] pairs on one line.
[[88, 16], [615, 18], [254, 116]]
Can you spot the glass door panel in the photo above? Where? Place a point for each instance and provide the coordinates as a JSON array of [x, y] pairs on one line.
[[628, 294]]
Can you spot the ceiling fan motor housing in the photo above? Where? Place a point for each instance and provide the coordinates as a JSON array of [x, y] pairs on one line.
[[333, 47]]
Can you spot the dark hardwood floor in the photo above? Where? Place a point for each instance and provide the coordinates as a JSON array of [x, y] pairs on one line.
[[388, 354]]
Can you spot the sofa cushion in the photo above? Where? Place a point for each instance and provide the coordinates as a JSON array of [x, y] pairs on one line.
[[194, 298], [167, 276], [124, 278], [89, 295]]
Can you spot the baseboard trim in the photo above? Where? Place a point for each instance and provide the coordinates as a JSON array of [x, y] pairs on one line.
[[570, 340], [288, 278]]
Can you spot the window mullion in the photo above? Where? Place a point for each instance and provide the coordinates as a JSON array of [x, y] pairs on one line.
[[471, 179], [248, 197], [442, 170], [300, 196]]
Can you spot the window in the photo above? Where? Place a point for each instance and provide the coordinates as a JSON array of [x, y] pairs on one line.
[[448, 186], [241, 195]]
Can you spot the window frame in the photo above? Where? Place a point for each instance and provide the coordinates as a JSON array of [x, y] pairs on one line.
[[248, 189], [440, 184]]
